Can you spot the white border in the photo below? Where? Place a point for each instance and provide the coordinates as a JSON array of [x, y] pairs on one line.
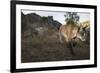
[[20, 65]]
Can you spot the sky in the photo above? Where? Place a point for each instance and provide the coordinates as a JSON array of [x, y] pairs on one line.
[[59, 16]]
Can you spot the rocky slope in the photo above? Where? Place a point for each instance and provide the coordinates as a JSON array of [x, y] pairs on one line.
[[34, 21]]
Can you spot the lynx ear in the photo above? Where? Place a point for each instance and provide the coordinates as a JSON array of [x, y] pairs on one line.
[[84, 28]]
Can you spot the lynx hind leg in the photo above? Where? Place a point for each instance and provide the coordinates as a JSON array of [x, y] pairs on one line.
[[71, 48], [60, 38]]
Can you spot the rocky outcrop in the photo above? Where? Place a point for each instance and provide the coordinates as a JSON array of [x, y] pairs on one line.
[[34, 20]]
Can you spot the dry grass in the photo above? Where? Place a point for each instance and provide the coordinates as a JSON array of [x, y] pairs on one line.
[[48, 48]]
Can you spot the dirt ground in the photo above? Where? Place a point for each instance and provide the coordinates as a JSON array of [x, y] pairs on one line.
[[41, 49]]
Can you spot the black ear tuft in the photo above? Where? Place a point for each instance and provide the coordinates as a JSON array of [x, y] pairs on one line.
[[84, 28]]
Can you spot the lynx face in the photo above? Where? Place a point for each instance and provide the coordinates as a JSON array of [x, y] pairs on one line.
[[82, 34]]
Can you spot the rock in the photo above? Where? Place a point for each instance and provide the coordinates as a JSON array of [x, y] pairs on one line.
[[38, 24]]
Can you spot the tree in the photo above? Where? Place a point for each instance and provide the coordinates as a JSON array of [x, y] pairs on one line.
[[71, 17]]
